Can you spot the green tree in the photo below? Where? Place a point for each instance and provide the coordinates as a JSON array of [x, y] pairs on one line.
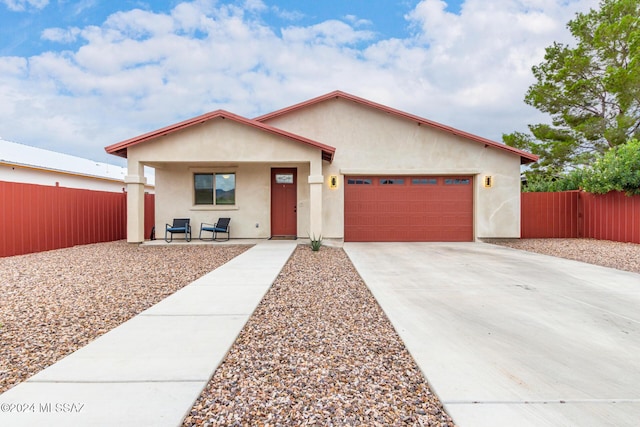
[[617, 170], [572, 180], [591, 91]]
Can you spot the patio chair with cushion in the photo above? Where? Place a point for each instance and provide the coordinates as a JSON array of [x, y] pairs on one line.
[[180, 226], [222, 226]]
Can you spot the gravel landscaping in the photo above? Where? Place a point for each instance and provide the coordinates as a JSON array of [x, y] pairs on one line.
[[53, 303], [318, 350], [622, 256]]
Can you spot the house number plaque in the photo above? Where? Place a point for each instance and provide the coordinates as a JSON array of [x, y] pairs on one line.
[[284, 178]]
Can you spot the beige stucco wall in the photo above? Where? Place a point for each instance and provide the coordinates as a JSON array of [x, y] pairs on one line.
[[223, 145], [251, 215], [369, 141]]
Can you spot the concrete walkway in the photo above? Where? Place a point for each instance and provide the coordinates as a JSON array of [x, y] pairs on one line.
[[149, 370], [510, 338]]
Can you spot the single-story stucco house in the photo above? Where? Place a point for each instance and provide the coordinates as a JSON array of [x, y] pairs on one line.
[[336, 166]]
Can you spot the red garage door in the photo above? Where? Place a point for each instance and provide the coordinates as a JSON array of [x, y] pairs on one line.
[[408, 209]]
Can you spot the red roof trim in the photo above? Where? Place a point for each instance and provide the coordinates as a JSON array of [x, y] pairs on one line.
[[120, 148], [525, 157]]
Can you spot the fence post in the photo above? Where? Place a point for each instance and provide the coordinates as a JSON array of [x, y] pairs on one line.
[[580, 215]]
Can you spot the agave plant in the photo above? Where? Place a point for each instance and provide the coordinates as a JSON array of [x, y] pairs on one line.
[[316, 243]]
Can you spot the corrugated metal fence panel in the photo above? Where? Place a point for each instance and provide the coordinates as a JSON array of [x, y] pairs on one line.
[[38, 218], [545, 215], [613, 216]]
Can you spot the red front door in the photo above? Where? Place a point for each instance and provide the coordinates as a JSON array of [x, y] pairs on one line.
[[284, 202]]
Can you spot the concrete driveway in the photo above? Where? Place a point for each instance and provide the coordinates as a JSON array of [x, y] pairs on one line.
[[511, 338]]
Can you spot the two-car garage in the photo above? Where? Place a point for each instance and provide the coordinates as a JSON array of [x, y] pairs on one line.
[[408, 208]]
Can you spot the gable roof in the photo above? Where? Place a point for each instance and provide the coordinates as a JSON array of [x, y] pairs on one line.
[[525, 157], [120, 148]]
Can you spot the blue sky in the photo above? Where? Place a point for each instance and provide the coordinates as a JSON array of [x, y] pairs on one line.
[[76, 76], [24, 21]]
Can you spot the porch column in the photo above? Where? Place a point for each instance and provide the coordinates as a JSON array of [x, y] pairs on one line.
[[135, 182], [316, 180]]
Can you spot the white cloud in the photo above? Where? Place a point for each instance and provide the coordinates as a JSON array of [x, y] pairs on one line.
[[12, 66], [22, 5], [335, 33], [141, 70], [288, 15], [61, 35], [139, 24], [480, 60], [254, 5], [357, 22], [82, 5]]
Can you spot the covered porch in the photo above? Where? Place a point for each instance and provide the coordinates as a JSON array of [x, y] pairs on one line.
[[262, 199], [268, 181]]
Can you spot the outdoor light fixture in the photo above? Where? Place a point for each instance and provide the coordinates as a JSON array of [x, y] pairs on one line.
[[333, 181], [488, 181]]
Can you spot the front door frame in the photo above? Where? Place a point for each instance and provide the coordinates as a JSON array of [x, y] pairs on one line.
[[284, 203]]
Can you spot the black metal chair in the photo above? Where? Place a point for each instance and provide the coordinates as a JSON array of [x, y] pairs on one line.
[[180, 226], [222, 226]]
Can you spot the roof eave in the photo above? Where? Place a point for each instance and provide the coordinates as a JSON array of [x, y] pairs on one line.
[[120, 153], [120, 148], [525, 157]]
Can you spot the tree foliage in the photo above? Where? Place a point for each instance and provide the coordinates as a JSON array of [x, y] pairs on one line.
[[591, 91], [617, 170], [537, 183]]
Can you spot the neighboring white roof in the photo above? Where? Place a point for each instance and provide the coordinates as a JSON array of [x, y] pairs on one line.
[[25, 155]]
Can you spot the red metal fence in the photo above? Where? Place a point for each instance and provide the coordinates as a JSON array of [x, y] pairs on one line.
[[612, 216], [38, 218], [545, 215]]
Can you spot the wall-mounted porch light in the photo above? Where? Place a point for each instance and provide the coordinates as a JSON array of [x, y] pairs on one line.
[[488, 181], [333, 181]]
